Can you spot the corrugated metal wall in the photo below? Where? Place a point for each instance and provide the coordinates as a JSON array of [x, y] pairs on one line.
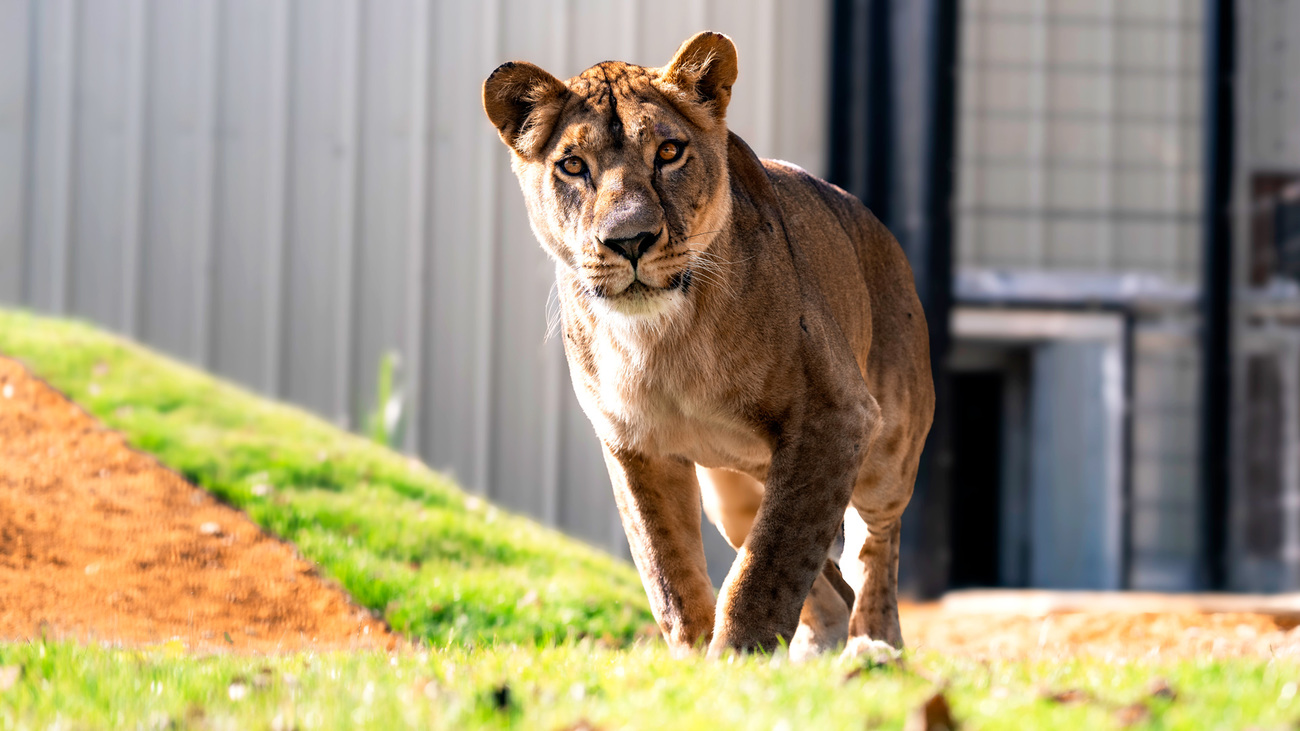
[[282, 191]]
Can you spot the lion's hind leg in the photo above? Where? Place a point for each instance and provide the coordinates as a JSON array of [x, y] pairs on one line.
[[874, 630], [871, 537], [824, 619], [731, 501]]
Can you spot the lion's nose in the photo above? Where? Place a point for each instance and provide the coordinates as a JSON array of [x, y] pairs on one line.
[[633, 247]]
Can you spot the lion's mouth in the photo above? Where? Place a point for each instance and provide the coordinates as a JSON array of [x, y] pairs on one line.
[[640, 289], [640, 299]]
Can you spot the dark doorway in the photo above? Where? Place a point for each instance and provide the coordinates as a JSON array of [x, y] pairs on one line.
[[976, 478]]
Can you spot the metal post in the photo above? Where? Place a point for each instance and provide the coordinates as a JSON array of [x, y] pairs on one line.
[[933, 263], [1216, 285], [870, 127], [1126, 453], [861, 138]]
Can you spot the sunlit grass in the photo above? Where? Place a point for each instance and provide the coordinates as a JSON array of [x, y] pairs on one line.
[[555, 687]]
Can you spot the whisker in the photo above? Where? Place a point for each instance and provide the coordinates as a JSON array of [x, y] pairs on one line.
[[702, 233], [553, 312]]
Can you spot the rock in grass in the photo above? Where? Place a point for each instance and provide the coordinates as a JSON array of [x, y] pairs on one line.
[[932, 715], [9, 675]]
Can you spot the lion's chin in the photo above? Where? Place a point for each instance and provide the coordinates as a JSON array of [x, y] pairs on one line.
[[640, 302]]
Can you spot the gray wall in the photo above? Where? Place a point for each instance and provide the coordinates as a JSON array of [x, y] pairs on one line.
[[282, 191]]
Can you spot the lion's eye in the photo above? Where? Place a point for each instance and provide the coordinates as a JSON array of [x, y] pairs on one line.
[[670, 150], [573, 165]]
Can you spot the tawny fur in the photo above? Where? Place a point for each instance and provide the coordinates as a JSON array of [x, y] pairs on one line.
[[767, 348]]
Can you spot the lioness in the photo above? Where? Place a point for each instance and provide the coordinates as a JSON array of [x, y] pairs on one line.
[[733, 326]]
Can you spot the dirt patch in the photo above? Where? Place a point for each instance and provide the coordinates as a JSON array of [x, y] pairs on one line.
[[99, 542], [1130, 635]]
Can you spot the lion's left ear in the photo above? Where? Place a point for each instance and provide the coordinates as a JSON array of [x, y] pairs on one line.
[[706, 67], [523, 102]]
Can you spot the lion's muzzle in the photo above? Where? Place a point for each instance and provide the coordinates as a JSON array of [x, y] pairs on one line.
[[633, 247]]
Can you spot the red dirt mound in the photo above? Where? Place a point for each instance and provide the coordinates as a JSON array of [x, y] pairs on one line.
[[100, 542]]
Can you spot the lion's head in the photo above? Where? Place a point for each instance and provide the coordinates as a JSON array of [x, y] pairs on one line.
[[624, 169]]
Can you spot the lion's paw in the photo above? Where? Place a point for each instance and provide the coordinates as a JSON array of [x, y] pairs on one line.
[[864, 650], [805, 644]]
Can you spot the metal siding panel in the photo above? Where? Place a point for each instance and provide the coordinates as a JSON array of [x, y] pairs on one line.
[[587, 502], [132, 173], [245, 190], [96, 245], [320, 163], [525, 276], [801, 123], [387, 138], [418, 238], [460, 134], [177, 192], [50, 181], [15, 96], [203, 232], [741, 20], [353, 52], [661, 28], [276, 232], [485, 320], [603, 29]]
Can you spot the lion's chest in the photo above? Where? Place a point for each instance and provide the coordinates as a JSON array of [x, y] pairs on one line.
[[671, 408]]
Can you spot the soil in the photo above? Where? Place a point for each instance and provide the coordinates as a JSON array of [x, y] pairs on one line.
[[100, 542], [1130, 635]]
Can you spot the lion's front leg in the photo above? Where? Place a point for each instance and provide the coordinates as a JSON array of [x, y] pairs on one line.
[[659, 502], [808, 485]]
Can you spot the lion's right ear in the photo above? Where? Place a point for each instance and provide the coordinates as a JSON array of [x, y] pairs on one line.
[[705, 67], [523, 102]]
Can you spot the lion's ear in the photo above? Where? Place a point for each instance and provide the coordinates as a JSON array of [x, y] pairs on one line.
[[523, 102], [705, 66]]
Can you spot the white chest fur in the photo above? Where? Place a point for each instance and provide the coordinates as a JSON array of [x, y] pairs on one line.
[[665, 401]]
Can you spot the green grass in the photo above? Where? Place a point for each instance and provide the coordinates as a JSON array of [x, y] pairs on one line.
[[641, 687], [403, 540], [460, 578]]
